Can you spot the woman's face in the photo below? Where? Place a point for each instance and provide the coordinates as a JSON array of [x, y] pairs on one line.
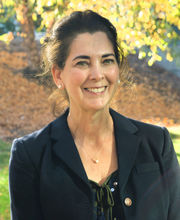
[[91, 72]]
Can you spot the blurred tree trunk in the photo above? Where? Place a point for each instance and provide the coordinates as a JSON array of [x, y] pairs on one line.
[[24, 16]]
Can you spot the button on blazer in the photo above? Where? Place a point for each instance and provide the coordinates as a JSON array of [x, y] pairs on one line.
[[48, 180]]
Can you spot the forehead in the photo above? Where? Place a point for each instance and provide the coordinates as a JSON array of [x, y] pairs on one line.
[[92, 44]]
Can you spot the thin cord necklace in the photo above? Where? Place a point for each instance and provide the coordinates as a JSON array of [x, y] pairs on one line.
[[96, 161]]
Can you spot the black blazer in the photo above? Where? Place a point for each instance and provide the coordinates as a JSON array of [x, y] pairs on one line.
[[48, 181]]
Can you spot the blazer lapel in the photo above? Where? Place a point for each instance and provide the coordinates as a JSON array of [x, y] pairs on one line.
[[64, 147], [127, 144]]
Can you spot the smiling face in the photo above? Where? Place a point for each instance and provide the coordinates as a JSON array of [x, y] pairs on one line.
[[90, 73]]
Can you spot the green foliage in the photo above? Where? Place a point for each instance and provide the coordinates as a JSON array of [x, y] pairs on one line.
[[4, 195], [175, 135], [7, 17], [4, 186], [4, 154]]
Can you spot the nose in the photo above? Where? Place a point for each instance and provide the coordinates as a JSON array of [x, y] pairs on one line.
[[96, 72]]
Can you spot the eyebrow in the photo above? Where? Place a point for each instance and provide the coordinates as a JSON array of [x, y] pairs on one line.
[[88, 57], [107, 55]]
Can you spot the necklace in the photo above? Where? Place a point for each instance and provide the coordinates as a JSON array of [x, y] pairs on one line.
[[96, 161]]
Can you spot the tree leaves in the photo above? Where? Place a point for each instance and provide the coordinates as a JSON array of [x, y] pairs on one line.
[[139, 22]]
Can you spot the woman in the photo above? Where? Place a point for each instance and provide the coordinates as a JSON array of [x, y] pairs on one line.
[[91, 162]]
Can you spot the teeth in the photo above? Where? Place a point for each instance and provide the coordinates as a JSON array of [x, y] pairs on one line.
[[96, 90]]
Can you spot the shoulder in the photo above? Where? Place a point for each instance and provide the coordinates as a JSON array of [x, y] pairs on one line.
[[152, 135], [33, 145], [149, 130], [136, 126], [29, 148], [156, 136], [34, 139]]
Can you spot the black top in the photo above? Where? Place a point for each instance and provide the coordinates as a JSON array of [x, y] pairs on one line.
[[107, 198]]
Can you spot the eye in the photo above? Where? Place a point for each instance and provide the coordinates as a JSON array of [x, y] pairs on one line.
[[82, 63], [108, 61]]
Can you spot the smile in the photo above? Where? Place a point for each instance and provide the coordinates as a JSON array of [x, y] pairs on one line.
[[96, 90]]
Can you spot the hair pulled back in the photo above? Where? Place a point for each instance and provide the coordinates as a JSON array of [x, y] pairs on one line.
[[57, 44]]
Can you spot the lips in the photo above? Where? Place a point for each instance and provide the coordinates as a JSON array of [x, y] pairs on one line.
[[97, 89]]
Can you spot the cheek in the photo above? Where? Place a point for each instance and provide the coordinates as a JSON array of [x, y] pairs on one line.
[[76, 78], [113, 75]]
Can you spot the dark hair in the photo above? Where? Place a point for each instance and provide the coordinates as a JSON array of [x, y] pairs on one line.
[[57, 44]]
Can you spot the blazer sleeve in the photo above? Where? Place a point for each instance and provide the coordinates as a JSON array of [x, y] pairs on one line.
[[23, 185], [172, 174]]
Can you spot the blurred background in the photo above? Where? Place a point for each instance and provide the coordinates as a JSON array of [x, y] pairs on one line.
[[148, 32]]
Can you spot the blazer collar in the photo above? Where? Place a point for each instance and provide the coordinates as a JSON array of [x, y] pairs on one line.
[[65, 148], [126, 142]]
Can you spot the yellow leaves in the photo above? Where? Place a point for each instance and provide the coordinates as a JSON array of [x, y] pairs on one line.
[[138, 26], [162, 15], [162, 6], [137, 43], [141, 55], [169, 35], [154, 49], [149, 54], [2, 10], [169, 57], [144, 15], [42, 40], [49, 3], [7, 38], [168, 10], [8, 3], [48, 18], [146, 4], [34, 16], [154, 58], [59, 2], [105, 7], [153, 27], [39, 9], [138, 22], [158, 58], [45, 2]]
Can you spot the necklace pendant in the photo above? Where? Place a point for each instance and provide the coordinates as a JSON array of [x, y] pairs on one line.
[[95, 161]]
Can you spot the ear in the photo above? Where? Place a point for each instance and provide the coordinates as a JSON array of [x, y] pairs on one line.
[[56, 73]]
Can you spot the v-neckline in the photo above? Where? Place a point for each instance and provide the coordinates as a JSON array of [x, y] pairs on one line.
[[106, 181]]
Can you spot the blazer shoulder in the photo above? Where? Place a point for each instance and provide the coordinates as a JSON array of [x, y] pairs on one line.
[[150, 131], [32, 145], [136, 126], [36, 138], [41, 136], [157, 136], [154, 136], [147, 128]]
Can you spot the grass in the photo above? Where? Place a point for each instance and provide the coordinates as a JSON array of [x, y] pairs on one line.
[[175, 135], [4, 191], [4, 195], [4, 160]]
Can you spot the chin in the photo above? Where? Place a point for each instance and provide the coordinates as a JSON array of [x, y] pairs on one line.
[[96, 106]]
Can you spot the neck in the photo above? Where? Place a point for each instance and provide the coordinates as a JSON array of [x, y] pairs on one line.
[[90, 127]]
